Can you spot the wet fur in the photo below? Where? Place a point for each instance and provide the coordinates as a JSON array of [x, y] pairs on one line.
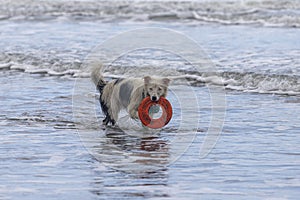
[[126, 93]]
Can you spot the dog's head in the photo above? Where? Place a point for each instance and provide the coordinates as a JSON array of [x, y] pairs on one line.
[[156, 87]]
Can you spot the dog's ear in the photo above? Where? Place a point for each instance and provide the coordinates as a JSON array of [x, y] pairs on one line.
[[166, 81], [147, 80]]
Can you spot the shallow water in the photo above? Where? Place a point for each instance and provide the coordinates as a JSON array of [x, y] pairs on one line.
[[263, 60], [53, 145], [42, 155]]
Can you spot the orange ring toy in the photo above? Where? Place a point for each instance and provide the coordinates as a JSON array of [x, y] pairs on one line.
[[164, 119]]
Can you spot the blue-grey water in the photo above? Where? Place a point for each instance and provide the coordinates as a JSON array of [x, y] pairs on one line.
[[47, 153]]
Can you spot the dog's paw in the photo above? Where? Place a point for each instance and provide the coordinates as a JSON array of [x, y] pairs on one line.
[[108, 120]]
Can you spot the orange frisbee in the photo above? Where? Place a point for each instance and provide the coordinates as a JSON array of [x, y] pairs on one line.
[[145, 118]]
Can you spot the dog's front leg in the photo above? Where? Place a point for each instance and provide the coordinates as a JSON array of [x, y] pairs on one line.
[[133, 111], [135, 101]]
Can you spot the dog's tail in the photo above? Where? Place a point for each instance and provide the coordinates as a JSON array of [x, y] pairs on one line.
[[97, 77]]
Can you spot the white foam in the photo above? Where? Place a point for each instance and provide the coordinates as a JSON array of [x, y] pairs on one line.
[[246, 82], [5, 65], [265, 12]]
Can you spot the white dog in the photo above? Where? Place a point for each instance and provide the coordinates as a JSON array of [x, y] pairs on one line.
[[126, 93]]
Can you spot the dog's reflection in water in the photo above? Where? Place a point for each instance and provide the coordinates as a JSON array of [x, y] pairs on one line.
[[119, 150], [138, 164]]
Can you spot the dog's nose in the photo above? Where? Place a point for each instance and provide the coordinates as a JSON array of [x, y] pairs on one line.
[[154, 98]]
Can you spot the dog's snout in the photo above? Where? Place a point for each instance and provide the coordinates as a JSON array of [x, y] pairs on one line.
[[153, 98]]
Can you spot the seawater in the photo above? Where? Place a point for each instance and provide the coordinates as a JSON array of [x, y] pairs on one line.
[[47, 154], [43, 156]]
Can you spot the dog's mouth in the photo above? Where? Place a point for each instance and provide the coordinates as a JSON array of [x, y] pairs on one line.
[[154, 98]]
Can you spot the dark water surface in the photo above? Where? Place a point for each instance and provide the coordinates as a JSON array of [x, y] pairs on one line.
[[49, 148], [43, 157]]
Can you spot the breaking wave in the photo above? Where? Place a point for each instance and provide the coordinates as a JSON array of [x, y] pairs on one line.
[[240, 81], [68, 62], [251, 82], [247, 12]]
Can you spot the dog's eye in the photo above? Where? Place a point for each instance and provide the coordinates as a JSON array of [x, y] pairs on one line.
[[150, 89], [159, 89]]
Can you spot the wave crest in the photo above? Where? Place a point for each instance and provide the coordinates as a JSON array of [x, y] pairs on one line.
[[264, 13]]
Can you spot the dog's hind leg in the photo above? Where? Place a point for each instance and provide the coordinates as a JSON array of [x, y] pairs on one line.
[[113, 122], [104, 109], [106, 120], [114, 110]]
